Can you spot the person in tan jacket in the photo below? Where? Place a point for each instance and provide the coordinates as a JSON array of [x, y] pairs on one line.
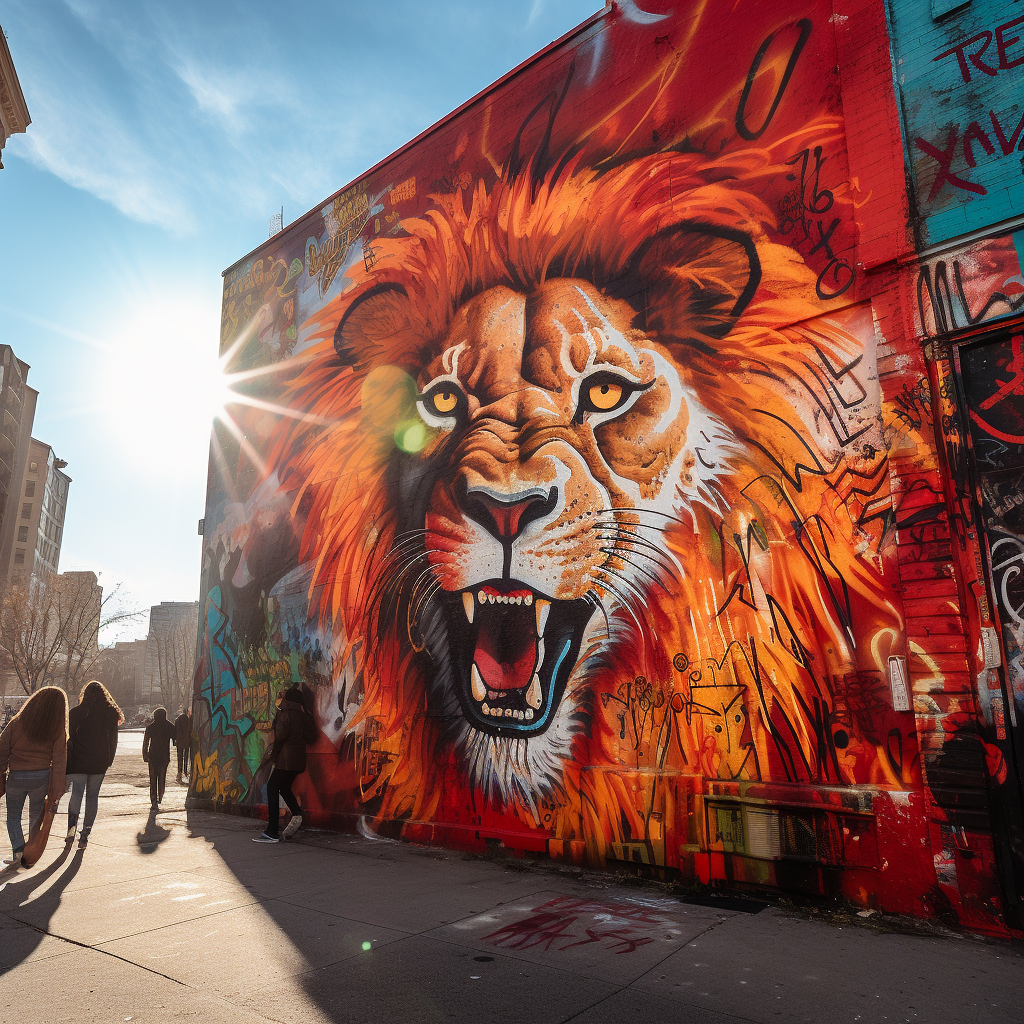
[[33, 757]]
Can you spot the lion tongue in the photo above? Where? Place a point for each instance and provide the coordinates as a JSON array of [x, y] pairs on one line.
[[504, 656]]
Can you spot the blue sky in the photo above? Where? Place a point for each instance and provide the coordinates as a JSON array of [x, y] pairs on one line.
[[163, 137]]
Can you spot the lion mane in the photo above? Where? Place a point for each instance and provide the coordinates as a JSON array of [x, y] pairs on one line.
[[775, 574]]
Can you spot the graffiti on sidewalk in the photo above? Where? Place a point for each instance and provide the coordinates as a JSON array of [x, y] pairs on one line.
[[567, 922]]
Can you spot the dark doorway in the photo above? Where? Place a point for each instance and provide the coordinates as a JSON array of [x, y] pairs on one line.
[[991, 376]]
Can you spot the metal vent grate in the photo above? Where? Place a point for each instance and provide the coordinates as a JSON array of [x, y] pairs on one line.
[[763, 839], [799, 837]]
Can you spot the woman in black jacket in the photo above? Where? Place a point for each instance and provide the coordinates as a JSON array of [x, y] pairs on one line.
[[92, 744], [294, 727]]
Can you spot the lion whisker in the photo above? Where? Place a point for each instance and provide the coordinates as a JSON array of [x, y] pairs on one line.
[[672, 568], [593, 599], [626, 582], [617, 553], [639, 511], [623, 600]]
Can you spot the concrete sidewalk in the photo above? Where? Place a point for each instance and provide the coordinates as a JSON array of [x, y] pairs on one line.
[[179, 916]]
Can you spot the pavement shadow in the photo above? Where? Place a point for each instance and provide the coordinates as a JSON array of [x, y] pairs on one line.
[[150, 838], [40, 890]]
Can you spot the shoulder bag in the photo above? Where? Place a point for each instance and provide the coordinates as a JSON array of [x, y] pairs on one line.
[[38, 836]]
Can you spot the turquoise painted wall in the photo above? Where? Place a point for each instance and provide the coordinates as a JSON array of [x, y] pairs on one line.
[[961, 81]]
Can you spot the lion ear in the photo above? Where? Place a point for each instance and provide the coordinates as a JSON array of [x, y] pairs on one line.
[[693, 281], [378, 320]]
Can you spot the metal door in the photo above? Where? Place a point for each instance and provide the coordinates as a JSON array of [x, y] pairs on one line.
[[991, 377]]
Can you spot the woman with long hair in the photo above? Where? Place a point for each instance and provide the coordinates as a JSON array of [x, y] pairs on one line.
[[294, 729], [33, 755], [91, 748]]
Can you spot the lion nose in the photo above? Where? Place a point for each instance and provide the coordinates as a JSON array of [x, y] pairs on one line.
[[506, 516]]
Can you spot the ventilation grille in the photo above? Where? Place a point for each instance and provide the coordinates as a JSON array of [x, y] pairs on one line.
[[763, 838]]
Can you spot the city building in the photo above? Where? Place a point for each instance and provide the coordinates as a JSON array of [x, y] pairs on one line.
[[121, 669], [17, 411], [78, 613], [14, 115], [42, 506], [170, 655], [649, 493]]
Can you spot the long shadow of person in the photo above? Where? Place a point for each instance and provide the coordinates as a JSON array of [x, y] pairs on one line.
[[32, 899], [150, 838]]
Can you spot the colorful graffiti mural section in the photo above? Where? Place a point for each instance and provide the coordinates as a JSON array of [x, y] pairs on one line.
[[560, 479], [959, 70]]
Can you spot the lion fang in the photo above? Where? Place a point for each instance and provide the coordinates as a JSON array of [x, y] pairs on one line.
[[479, 690], [533, 695], [541, 608]]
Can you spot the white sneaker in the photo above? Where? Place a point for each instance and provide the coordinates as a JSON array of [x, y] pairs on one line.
[[292, 827]]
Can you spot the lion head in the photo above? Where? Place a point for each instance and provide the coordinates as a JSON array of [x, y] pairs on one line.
[[536, 423]]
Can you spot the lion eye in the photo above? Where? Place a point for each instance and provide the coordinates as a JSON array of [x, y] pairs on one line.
[[444, 399], [605, 396], [606, 392], [444, 402]]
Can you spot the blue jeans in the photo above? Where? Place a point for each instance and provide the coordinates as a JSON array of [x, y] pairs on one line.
[[22, 785], [89, 785]]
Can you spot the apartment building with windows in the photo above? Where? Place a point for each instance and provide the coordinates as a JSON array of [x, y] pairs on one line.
[[17, 412], [42, 503]]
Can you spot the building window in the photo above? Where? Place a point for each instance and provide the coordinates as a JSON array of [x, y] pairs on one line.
[[22, 534], [19, 556], [30, 489], [26, 510], [32, 467]]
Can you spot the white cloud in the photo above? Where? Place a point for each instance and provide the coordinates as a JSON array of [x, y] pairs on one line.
[[142, 115]]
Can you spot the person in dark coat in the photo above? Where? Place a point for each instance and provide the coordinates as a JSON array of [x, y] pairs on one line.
[[92, 744], [156, 751], [294, 728], [183, 741]]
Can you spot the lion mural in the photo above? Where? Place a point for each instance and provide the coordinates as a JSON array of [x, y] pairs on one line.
[[568, 452]]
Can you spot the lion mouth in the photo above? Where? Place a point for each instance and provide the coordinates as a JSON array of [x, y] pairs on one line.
[[513, 650]]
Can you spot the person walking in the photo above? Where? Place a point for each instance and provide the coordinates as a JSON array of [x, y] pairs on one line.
[[156, 751], [33, 755], [294, 728], [183, 741], [92, 745]]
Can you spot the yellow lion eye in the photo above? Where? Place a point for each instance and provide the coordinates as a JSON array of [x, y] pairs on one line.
[[605, 396], [445, 401]]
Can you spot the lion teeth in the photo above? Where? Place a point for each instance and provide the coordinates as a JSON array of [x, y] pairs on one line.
[[528, 600], [469, 605], [477, 683], [533, 694], [541, 609], [540, 651], [485, 709], [529, 714]]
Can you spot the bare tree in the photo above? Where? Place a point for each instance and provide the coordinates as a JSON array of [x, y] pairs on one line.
[[50, 626]]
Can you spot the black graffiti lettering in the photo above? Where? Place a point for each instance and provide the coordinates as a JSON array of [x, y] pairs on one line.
[[804, 25], [802, 208], [946, 303], [823, 239], [842, 276]]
